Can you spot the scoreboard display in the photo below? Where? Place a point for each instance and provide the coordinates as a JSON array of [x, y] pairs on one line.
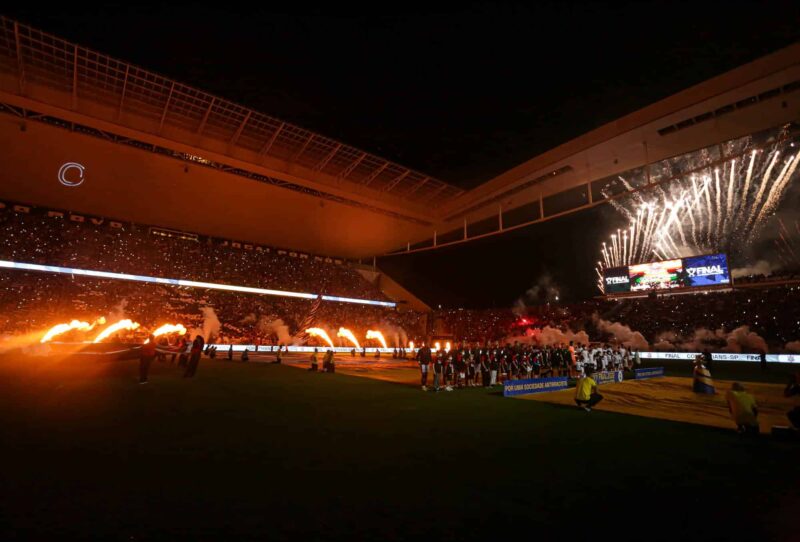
[[690, 272]]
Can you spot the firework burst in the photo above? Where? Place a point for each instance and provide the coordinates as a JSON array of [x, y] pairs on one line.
[[714, 209]]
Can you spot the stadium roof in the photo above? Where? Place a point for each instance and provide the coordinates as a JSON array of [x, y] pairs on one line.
[[182, 112], [311, 192]]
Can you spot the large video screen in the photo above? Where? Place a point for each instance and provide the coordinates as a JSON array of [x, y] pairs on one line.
[[708, 270], [661, 275], [616, 280], [690, 272]]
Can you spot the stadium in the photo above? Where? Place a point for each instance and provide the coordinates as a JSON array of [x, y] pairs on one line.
[[217, 323]]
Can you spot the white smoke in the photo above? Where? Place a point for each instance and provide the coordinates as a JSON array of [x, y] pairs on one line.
[[740, 339], [118, 312], [663, 346], [761, 267], [276, 326], [249, 319], [211, 324], [623, 334], [395, 336], [549, 336], [793, 346], [544, 291]]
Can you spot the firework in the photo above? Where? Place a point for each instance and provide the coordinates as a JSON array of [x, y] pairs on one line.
[[708, 211], [787, 244]]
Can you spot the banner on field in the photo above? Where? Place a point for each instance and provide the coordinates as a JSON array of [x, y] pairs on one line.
[[534, 385], [649, 372], [607, 377]]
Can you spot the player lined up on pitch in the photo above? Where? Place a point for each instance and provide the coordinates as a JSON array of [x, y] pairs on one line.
[[487, 365]]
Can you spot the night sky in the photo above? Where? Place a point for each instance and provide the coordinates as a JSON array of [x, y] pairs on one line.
[[462, 94]]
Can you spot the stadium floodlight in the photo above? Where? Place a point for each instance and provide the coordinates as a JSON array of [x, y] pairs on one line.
[[182, 282]]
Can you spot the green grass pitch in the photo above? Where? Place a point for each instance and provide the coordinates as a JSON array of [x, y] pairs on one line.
[[257, 451]]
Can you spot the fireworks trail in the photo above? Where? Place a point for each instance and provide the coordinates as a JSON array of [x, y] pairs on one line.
[[705, 211], [763, 186], [786, 243]]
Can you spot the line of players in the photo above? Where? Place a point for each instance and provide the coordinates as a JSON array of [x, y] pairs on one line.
[[467, 366]]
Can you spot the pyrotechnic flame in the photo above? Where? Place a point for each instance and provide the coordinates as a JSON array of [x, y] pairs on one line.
[[378, 336], [169, 328], [321, 333], [411, 345], [437, 346], [99, 322], [113, 328], [63, 328], [447, 346], [347, 334]]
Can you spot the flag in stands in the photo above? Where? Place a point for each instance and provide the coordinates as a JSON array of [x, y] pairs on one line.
[[309, 320]]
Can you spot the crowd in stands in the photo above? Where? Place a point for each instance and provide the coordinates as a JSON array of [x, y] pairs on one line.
[[31, 300], [772, 312], [34, 300], [37, 238]]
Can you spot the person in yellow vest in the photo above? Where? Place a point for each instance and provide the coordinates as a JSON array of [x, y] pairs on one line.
[[702, 382], [314, 362], [586, 395], [743, 409]]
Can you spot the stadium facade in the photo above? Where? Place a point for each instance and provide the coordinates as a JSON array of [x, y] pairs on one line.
[[84, 132]]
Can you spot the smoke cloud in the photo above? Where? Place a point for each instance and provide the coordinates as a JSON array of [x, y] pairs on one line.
[[761, 267], [211, 324], [740, 339], [276, 326], [549, 336], [623, 334], [395, 336], [118, 311], [544, 291], [793, 346], [249, 319]]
